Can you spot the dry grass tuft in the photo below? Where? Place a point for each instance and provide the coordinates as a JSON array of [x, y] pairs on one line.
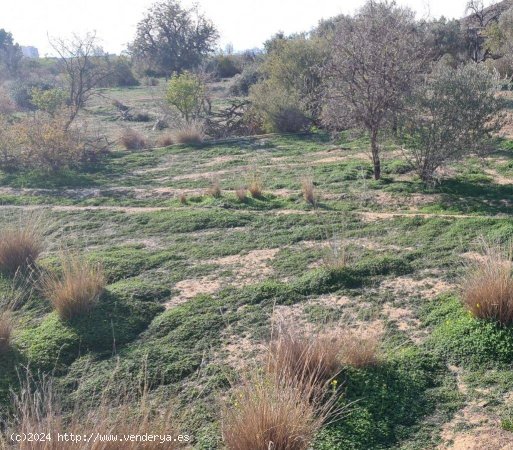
[[308, 189], [267, 413], [255, 186], [306, 360], [5, 332], [183, 199], [192, 133], [487, 288], [335, 255], [38, 409], [241, 194], [359, 349], [131, 139], [165, 140], [215, 189], [287, 406], [20, 247], [77, 290]]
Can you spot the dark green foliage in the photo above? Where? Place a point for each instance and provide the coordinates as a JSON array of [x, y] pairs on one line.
[[462, 339], [384, 402]]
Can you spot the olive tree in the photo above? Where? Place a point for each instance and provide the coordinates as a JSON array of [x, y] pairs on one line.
[[171, 38], [376, 56], [453, 114]]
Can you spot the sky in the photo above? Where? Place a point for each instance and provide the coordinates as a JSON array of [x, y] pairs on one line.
[[243, 23]]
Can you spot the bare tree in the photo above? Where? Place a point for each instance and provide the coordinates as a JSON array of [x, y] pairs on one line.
[[376, 56], [81, 59]]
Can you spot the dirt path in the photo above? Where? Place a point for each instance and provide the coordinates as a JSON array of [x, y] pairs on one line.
[[370, 216]]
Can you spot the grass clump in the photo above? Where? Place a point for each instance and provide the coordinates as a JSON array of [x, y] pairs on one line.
[[39, 409], [191, 133], [165, 140], [487, 289], [215, 189], [359, 349], [271, 413], [5, 332], [285, 407], [77, 290], [19, 247], [131, 139], [255, 186], [308, 190], [240, 193]]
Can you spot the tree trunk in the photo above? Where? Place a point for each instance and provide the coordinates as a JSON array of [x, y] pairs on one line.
[[375, 154]]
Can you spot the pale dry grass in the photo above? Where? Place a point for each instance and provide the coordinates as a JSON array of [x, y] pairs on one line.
[[77, 289], [183, 199], [359, 349], [255, 185], [165, 140], [5, 332], [308, 190], [334, 255], [20, 246], [192, 133], [240, 193], [487, 288], [284, 406], [315, 359], [215, 189], [37, 408], [132, 139], [268, 413]]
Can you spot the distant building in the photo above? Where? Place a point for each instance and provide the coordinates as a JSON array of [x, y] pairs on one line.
[[30, 52]]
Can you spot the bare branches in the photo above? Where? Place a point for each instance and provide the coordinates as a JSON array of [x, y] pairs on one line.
[[80, 58]]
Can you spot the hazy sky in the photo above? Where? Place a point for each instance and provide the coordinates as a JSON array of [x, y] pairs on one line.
[[245, 23]]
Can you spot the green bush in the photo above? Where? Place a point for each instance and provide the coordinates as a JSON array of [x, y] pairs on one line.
[[460, 338]]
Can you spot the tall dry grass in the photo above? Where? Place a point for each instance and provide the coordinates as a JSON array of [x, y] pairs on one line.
[[5, 332], [308, 190], [487, 288], [335, 255], [285, 406], [255, 185], [132, 139], [359, 348], [37, 409], [20, 246], [268, 413], [77, 289], [214, 189], [191, 133]]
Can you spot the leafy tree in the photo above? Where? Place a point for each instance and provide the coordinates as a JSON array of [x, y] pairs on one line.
[[10, 54], [172, 38], [187, 93], [453, 114], [376, 57], [445, 37]]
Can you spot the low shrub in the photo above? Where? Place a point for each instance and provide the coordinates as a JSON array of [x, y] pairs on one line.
[[78, 289], [487, 288], [20, 247], [131, 139], [47, 143]]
